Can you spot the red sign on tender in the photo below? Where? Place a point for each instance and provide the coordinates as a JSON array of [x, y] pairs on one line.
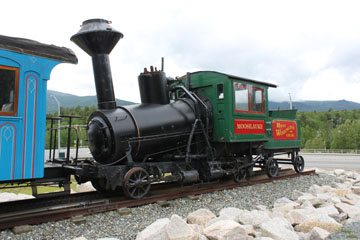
[[243, 126], [284, 130]]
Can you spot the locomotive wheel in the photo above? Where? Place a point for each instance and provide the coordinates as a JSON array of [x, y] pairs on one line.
[[272, 167], [299, 163], [136, 183], [240, 175]]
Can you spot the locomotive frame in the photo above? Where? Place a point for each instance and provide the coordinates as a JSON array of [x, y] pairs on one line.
[[196, 128]]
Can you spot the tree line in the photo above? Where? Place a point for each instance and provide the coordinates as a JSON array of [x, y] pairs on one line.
[[319, 130], [330, 129]]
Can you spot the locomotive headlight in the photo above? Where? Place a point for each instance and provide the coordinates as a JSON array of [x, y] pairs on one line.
[[99, 140]]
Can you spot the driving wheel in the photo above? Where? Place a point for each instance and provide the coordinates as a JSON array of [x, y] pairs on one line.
[[136, 183], [272, 167]]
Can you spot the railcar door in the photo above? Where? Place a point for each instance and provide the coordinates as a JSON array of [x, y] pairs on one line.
[[249, 112]]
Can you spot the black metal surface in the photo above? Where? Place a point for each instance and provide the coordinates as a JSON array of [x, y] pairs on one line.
[[153, 88], [97, 38], [144, 128]]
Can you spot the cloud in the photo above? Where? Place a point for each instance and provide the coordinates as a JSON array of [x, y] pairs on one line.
[[302, 46]]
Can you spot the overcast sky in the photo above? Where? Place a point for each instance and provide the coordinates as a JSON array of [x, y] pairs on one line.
[[310, 49]]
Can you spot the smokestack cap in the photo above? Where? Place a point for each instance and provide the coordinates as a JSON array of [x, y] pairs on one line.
[[96, 36]]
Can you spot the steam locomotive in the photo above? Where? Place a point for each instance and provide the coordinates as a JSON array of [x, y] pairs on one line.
[[196, 128]]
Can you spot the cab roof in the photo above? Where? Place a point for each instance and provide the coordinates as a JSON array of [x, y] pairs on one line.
[[34, 48], [238, 78]]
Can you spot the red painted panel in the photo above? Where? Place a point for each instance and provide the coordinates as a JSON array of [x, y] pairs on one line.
[[284, 130], [243, 126]]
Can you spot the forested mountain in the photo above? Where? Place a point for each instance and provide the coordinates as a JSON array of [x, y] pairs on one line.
[[319, 106], [70, 101]]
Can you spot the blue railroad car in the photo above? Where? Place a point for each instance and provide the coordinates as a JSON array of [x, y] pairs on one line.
[[25, 67]]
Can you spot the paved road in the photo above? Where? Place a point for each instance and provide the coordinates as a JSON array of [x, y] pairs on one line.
[[331, 161]]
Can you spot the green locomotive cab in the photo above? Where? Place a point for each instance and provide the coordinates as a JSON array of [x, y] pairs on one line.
[[242, 126]]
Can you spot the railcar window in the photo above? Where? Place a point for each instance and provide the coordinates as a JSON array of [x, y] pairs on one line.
[[220, 91], [241, 97], [9, 80], [257, 100]]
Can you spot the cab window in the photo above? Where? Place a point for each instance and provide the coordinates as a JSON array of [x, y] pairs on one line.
[[257, 100], [241, 97], [9, 82], [248, 98]]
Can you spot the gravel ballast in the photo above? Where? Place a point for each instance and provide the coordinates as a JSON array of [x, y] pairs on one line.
[[113, 224]]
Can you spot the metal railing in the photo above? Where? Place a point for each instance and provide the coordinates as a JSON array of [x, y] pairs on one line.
[[339, 151]]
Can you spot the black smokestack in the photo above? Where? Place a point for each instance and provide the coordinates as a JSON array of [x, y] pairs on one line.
[[97, 38]]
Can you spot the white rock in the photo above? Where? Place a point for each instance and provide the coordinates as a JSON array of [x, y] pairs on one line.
[[177, 229], [275, 229], [315, 201], [318, 234], [261, 208], [276, 214], [225, 229], [335, 200], [322, 221], [266, 238], [249, 229], [284, 209], [355, 190], [284, 222], [315, 190], [356, 217], [298, 216], [230, 213], [328, 210], [108, 238], [85, 187], [326, 188], [296, 194], [307, 204], [155, 231], [80, 238], [285, 201], [346, 208], [197, 228], [202, 237], [254, 217], [214, 220], [340, 217], [339, 172], [350, 174], [303, 236], [347, 201], [353, 196], [201, 217], [327, 219], [341, 192]]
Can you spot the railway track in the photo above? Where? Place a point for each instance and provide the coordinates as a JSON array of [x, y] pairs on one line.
[[35, 211]]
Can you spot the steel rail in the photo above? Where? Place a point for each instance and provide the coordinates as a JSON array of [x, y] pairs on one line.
[[110, 205]]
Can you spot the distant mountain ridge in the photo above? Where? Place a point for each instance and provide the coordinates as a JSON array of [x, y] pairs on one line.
[[69, 100], [320, 106]]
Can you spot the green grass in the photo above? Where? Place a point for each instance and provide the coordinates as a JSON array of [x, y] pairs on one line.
[[351, 236], [24, 189]]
